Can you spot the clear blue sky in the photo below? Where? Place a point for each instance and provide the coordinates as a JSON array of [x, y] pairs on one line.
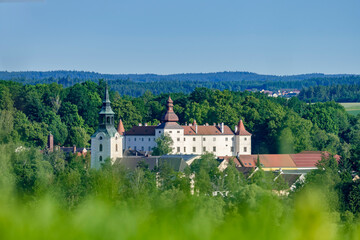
[[173, 36]]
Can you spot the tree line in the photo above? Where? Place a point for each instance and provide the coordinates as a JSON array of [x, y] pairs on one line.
[[337, 93]]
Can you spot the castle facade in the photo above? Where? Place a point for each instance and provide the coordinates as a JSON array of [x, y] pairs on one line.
[[219, 139]]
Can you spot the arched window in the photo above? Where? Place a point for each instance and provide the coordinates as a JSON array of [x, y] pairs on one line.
[[116, 147], [108, 120], [100, 158], [100, 148], [100, 138]]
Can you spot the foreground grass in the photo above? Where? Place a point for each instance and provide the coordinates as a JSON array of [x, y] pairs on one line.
[[178, 217]]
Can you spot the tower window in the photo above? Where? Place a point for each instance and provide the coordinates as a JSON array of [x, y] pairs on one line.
[[100, 138], [194, 139], [116, 147], [245, 149], [232, 149], [108, 120], [100, 148], [226, 139], [204, 139], [245, 139], [100, 158]]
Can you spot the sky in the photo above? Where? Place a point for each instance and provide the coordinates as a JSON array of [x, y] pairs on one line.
[[281, 37]]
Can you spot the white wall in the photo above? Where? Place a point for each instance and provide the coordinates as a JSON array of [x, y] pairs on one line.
[[243, 145], [108, 149]]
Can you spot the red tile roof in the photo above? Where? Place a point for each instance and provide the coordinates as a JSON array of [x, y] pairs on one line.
[[248, 160], [206, 130], [308, 158], [227, 158], [241, 129], [141, 130], [121, 129], [276, 161]]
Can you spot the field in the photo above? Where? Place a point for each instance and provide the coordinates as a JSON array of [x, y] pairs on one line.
[[352, 108]]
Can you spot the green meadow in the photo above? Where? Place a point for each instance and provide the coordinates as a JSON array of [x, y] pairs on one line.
[[352, 108]]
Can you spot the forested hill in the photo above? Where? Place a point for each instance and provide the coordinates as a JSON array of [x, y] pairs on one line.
[[31, 76], [137, 84]]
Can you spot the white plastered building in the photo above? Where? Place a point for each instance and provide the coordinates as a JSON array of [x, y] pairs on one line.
[[193, 139]]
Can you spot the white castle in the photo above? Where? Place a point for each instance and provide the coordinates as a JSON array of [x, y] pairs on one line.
[[219, 139]]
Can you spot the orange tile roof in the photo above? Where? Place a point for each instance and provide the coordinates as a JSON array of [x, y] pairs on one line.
[[241, 129], [310, 158], [248, 160], [121, 129], [207, 130], [276, 161]]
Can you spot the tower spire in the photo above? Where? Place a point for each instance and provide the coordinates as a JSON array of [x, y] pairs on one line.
[[170, 115]]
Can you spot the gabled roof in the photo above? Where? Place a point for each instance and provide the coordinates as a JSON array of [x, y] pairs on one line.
[[141, 130], [206, 130]]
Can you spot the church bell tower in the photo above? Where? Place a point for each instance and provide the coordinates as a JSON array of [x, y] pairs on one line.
[[106, 142]]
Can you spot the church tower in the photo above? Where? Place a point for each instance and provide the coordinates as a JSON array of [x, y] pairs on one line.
[[106, 142]]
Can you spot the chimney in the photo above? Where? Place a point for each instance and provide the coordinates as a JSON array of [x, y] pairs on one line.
[[222, 127], [145, 124], [236, 128], [206, 124], [196, 128], [140, 124], [50, 143], [74, 149]]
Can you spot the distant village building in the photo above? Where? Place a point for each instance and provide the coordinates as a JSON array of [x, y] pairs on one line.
[[194, 139]]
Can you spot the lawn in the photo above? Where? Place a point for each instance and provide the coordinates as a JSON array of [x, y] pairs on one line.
[[352, 108]]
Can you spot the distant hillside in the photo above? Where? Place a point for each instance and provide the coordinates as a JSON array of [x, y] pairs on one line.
[[137, 84], [218, 76]]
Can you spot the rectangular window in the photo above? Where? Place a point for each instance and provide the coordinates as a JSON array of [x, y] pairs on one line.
[[149, 139], [245, 149], [178, 149], [184, 139], [129, 139], [178, 131], [214, 139], [178, 139], [135, 148], [232, 149], [142, 148], [204, 139], [142, 139], [194, 139], [245, 139], [149, 149], [170, 131], [194, 149], [214, 149], [184, 149], [135, 139], [226, 139], [204, 149]]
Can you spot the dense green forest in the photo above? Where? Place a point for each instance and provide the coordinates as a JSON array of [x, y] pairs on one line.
[[51, 195], [337, 93], [137, 84]]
